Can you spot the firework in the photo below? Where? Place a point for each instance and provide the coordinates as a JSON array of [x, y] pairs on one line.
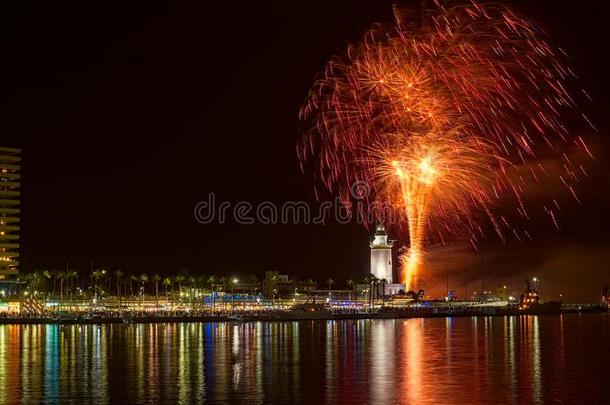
[[437, 175], [437, 110]]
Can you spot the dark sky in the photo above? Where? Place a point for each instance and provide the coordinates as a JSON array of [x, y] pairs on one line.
[[129, 114]]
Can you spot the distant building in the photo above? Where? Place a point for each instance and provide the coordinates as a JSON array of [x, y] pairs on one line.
[[280, 285], [10, 167]]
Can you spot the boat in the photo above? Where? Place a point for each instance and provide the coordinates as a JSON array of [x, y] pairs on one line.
[[306, 312], [530, 304], [605, 298]]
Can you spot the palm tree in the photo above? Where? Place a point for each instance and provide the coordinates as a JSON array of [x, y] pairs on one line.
[[202, 280], [368, 280], [118, 275], [143, 279], [155, 279], [167, 283], [52, 275], [212, 280], [61, 276], [71, 275], [31, 280], [383, 283], [192, 284], [352, 284], [96, 276], [45, 275], [374, 292], [178, 279], [132, 279], [274, 278], [330, 282]]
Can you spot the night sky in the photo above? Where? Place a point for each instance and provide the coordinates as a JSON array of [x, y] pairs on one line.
[[129, 114]]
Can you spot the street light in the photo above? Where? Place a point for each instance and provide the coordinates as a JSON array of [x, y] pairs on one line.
[[235, 281]]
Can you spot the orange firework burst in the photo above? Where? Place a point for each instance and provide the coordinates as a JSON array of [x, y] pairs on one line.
[[437, 175], [436, 110]]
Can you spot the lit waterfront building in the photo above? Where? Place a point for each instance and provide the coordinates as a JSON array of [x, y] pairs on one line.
[[10, 166], [381, 260], [276, 284], [381, 255]]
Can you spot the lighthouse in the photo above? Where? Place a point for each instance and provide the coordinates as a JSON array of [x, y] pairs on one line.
[[381, 255]]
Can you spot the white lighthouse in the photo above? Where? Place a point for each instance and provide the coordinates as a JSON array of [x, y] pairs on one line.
[[381, 255]]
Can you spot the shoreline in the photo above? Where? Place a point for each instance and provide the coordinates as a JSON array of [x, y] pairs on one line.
[[276, 317]]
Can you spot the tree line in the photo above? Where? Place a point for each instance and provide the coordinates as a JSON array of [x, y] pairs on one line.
[[101, 283]]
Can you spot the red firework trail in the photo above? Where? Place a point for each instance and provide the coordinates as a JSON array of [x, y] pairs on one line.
[[437, 109]]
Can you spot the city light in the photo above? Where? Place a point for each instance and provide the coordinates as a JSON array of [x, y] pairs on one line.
[[243, 202]]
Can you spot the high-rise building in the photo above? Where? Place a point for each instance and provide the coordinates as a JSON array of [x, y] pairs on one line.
[[10, 167], [381, 255]]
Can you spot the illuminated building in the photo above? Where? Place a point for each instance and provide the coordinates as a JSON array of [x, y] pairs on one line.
[[381, 260], [10, 166], [281, 285], [381, 255]]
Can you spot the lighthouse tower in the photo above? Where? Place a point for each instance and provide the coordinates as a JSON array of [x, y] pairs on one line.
[[381, 255]]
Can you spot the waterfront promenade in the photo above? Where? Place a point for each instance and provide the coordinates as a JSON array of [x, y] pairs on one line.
[[288, 313]]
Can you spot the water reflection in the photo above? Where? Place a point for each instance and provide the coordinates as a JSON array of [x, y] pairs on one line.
[[465, 360], [414, 341], [382, 361]]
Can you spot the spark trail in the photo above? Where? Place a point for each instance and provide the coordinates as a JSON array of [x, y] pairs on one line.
[[437, 110]]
